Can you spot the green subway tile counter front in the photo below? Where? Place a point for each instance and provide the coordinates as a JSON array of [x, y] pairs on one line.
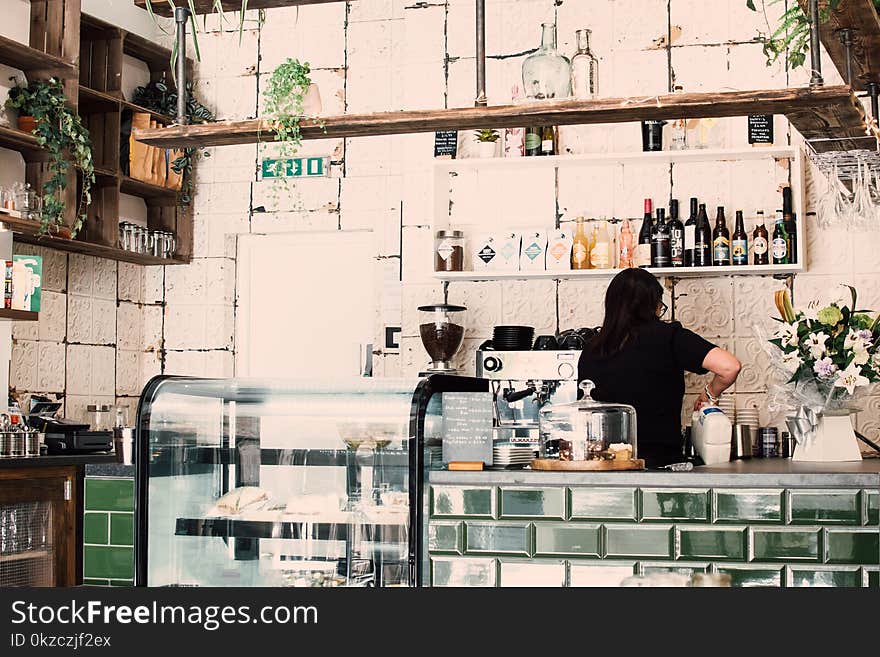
[[765, 522], [108, 531]]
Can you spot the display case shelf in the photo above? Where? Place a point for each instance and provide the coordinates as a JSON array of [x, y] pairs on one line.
[[291, 457], [820, 112], [676, 272], [326, 526], [32, 61], [163, 8]]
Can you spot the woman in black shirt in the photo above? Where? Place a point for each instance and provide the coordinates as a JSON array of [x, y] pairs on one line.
[[638, 359]]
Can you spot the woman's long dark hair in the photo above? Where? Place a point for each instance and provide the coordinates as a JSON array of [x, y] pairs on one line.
[[631, 300]]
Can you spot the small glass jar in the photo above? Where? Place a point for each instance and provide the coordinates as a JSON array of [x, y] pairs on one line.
[[449, 250], [101, 417]]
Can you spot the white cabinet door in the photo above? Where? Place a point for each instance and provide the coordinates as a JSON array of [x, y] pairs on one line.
[[306, 304]]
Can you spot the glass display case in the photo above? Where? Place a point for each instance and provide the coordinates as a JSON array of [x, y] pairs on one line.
[[284, 483]]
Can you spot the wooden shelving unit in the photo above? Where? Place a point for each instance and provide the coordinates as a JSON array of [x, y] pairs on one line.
[[815, 112], [61, 36], [18, 315], [861, 17], [162, 8]]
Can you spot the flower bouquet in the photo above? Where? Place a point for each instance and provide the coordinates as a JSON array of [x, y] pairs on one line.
[[830, 355]]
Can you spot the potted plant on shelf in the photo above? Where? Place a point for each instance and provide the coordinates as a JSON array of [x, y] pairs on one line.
[[290, 95], [59, 130], [486, 142], [830, 357]]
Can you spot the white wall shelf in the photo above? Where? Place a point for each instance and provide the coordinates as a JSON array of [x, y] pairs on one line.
[[677, 272]]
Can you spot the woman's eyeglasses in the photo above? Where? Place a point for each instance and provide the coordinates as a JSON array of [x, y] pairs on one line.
[[662, 310]]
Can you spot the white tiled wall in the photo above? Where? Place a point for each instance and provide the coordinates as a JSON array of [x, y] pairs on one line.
[[392, 54]]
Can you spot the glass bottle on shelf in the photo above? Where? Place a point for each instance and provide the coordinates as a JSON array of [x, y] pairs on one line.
[[584, 68], [678, 137], [533, 141], [625, 257], [580, 248], [643, 250], [676, 235], [547, 74], [548, 141], [690, 235], [600, 255], [780, 242], [739, 242], [720, 240], [703, 243], [760, 242], [660, 241]]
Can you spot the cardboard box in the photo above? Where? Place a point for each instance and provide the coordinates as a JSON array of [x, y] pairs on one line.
[[27, 281]]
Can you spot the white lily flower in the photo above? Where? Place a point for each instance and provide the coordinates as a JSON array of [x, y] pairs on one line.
[[788, 334], [851, 378], [861, 357], [791, 362], [854, 340], [815, 342]]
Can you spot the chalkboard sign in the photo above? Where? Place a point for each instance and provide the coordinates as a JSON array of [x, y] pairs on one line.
[[760, 128], [445, 143], [467, 427]]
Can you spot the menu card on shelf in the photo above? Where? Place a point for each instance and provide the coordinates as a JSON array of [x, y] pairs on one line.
[[445, 144], [760, 128], [467, 427]]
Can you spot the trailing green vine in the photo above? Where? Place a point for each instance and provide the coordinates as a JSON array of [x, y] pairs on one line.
[[283, 107], [156, 96], [59, 131]]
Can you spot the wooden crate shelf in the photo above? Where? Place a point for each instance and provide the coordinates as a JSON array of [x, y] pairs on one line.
[[93, 101], [817, 112], [16, 140], [162, 8], [18, 315], [146, 190], [861, 17], [32, 61]]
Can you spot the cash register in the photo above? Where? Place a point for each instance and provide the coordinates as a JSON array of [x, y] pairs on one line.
[[65, 436]]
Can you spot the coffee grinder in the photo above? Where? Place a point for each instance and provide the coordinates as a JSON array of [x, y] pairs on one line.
[[441, 327], [522, 382]]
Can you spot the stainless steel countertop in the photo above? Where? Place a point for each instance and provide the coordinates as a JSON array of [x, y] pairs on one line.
[[752, 472]]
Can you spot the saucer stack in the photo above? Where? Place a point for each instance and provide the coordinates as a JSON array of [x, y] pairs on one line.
[[512, 457], [728, 405], [748, 416]]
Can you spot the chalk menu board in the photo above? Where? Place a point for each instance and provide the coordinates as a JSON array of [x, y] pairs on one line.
[[446, 143], [467, 427], [760, 128]]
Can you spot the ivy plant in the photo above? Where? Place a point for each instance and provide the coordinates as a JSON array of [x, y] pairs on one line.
[[790, 38], [158, 97], [283, 108], [61, 133]]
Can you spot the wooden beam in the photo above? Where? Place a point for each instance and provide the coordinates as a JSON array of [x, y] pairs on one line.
[[162, 8], [30, 60], [861, 17], [818, 110]]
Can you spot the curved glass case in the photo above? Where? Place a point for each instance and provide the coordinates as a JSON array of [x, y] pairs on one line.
[[283, 483]]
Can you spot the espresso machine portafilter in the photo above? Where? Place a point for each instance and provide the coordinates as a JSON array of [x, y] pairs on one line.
[[522, 382]]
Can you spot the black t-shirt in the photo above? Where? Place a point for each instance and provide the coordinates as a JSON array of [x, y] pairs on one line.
[[648, 374]]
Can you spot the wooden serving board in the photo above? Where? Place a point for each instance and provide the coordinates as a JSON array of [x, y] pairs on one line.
[[582, 466]]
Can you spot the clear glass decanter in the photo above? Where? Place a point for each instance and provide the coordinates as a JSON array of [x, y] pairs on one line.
[[546, 73]]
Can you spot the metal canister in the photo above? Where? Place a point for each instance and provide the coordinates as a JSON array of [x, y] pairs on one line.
[[18, 444], [6, 444], [32, 442], [788, 444], [769, 441], [742, 444]]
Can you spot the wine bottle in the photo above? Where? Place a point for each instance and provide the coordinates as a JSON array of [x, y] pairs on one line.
[[690, 235], [676, 235], [660, 241], [548, 141], [760, 241], [790, 222], [643, 250], [739, 242], [533, 141], [720, 240], [703, 240]]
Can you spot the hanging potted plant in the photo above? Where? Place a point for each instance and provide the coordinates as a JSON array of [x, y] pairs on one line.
[[60, 132], [486, 140]]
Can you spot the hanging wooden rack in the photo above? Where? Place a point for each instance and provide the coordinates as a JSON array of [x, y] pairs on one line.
[[162, 8]]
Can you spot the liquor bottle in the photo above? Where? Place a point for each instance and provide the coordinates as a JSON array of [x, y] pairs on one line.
[[643, 250], [690, 235], [600, 255], [676, 235], [584, 68], [533, 141], [660, 241], [790, 222], [548, 140], [780, 241], [580, 248], [739, 243], [720, 241], [703, 240], [626, 254], [678, 141], [760, 241]]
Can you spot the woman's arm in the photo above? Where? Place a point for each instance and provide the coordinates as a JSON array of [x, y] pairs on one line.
[[726, 367]]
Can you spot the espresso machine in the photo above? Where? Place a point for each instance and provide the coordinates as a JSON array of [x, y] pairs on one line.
[[522, 382]]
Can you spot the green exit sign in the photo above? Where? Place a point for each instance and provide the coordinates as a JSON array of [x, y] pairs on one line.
[[296, 167]]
